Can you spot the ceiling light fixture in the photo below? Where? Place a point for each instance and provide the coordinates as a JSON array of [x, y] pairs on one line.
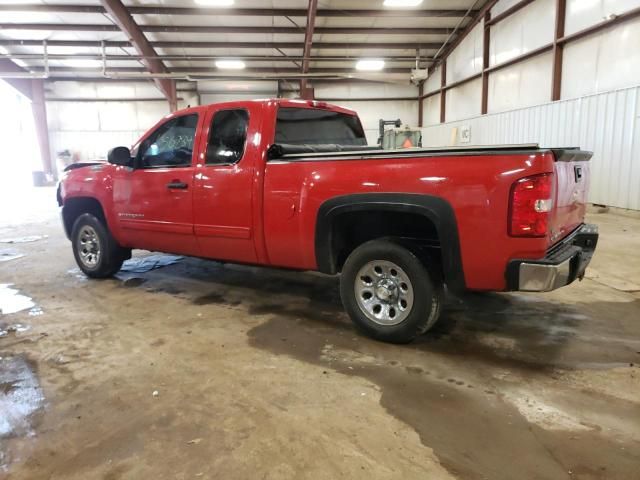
[[215, 3], [402, 3], [230, 64], [370, 64]]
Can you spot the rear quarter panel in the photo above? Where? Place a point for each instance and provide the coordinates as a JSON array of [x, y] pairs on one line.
[[476, 186]]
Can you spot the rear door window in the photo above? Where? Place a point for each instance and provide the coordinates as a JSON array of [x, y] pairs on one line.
[[227, 137]]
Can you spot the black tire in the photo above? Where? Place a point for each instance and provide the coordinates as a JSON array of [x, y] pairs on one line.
[[427, 292], [111, 255]]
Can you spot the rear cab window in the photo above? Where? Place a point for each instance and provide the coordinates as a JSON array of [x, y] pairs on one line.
[[314, 126]]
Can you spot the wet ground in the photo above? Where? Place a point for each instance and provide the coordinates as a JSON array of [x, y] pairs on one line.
[[203, 370]]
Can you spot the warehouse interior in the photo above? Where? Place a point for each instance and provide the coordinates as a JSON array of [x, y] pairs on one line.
[[181, 367]]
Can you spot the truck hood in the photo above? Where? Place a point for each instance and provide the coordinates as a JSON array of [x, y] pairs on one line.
[[77, 165]]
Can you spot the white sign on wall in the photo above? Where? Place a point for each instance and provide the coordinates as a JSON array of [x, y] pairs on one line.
[[465, 134]]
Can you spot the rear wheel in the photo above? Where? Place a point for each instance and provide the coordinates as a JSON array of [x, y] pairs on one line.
[[389, 293], [96, 252]]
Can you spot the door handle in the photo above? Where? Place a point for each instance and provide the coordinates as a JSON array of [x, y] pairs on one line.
[[177, 185]]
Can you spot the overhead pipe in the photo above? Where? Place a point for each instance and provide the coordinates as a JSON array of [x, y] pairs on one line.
[[455, 30]]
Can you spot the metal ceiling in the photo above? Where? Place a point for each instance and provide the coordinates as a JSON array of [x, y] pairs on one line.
[[179, 39]]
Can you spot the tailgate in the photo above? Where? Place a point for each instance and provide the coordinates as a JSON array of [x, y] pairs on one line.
[[572, 187]]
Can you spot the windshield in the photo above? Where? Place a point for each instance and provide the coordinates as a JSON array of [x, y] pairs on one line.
[[308, 126]]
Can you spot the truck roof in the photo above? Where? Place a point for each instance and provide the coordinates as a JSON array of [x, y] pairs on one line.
[[284, 102]]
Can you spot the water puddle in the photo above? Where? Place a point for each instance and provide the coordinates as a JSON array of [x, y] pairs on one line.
[[453, 414], [5, 330], [7, 255], [12, 301], [25, 239], [20, 398], [36, 312], [77, 273]]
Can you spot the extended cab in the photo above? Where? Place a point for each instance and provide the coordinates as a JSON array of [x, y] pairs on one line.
[[293, 184]]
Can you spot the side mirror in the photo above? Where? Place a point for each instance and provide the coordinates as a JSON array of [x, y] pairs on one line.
[[120, 156]]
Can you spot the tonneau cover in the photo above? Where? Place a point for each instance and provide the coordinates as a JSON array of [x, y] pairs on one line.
[[287, 151]]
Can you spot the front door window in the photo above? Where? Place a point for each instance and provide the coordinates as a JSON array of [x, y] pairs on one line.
[[171, 145]]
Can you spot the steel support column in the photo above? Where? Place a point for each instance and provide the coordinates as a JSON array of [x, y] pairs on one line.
[[33, 89], [485, 62], [558, 50], [443, 91], [39, 110], [305, 92], [420, 104]]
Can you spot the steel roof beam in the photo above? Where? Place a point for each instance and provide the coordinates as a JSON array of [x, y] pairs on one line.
[[125, 22], [82, 27], [228, 45], [241, 12]]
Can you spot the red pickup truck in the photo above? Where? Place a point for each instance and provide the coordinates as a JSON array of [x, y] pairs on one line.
[[292, 184]]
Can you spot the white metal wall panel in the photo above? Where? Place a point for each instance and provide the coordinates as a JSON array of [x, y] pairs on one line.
[[584, 13], [362, 90], [102, 90], [91, 145], [529, 28], [520, 85], [606, 123], [431, 110], [371, 112], [466, 58], [602, 62], [90, 129], [464, 101], [433, 81], [501, 6]]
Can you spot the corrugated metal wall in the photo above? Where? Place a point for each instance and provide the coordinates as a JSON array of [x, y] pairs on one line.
[[606, 123]]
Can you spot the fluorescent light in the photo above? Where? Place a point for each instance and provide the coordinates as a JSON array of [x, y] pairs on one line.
[[370, 64], [402, 3], [230, 64], [215, 3]]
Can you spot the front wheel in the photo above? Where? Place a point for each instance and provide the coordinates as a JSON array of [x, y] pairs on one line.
[[96, 251], [388, 292]]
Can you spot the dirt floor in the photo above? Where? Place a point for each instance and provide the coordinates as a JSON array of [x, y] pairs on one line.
[[203, 370]]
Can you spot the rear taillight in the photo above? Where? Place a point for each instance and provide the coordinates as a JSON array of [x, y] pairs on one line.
[[530, 207]]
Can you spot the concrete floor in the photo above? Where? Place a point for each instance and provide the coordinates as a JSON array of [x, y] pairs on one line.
[[259, 374]]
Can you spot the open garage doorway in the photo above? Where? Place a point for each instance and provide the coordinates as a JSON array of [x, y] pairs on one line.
[[21, 201]]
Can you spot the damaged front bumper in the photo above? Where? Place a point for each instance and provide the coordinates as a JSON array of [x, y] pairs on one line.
[[563, 263]]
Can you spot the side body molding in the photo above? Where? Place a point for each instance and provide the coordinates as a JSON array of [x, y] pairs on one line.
[[436, 209]]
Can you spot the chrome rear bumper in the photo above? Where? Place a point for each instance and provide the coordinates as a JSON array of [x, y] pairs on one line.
[[563, 263]]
